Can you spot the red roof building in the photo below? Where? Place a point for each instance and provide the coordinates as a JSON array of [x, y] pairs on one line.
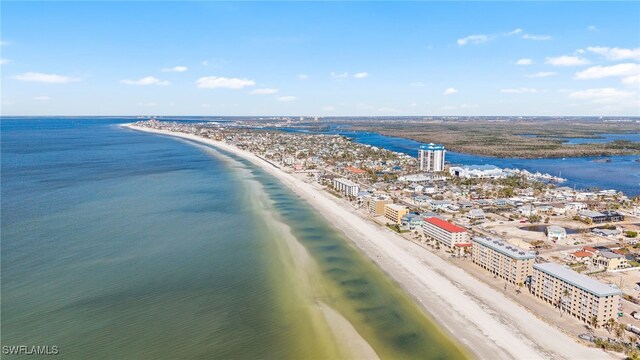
[[444, 232], [445, 225], [355, 170]]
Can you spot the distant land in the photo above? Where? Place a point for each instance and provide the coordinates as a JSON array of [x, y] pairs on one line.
[[510, 137]]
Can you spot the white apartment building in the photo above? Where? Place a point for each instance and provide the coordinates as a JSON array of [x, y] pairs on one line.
[[431, 157], [346, 187], [444, 232]]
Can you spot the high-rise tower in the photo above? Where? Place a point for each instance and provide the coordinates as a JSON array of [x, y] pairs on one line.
[[431, 157]]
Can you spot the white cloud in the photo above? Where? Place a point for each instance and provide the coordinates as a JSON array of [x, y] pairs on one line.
[[566, 60], [286, 98], [592, 28], [205, 63], [265, 91], [176, 69], [515, 32], [41, 98], [336, 75], [303, 76], [360, 75], [386, 109], [521, 90], [147, 80], [328, 108], [632, 80], [4, 61], [603, 95], [524, 62], [473, 39], [536, 37], [417, 83], [217, 82], [450, 91], [45, 78], [598, 72], [615, 53], [542, 74]]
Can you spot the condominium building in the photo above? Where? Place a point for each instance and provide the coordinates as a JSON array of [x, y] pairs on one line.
[[431, 157], [444, 232], [574, 293], [394, 212], [346, 187], [377, 203], [502, 259]]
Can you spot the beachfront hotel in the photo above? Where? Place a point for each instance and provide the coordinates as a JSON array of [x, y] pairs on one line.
[[431, 157], [377, 203], [444, 232], [504, 260], [346, 187], [394, 212], [577, 294]]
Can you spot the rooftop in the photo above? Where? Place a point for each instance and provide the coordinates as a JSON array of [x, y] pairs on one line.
[[443, 224], [431, 146], [591, 214], [507, 249], [581, 281]]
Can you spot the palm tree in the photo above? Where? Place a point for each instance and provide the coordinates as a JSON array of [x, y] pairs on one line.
[[618, 330], [565, 297], [610, 324], [593, 321]]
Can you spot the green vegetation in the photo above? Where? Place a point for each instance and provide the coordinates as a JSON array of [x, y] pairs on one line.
[[504, 138], [630, 234]]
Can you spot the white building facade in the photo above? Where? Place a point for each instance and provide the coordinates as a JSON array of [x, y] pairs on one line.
[[431, 157], [346, 187]]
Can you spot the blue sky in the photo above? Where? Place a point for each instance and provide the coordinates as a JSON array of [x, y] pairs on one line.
[[305, 58]]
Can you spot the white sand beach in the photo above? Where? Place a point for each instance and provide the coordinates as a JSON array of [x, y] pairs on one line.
[[489, 324]]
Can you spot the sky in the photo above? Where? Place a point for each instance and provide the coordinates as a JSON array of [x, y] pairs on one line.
[[320, 59]]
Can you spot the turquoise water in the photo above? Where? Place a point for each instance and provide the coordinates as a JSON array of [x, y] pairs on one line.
[[118, 244]]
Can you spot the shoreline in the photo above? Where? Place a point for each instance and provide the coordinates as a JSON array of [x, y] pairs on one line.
[[483, 320]]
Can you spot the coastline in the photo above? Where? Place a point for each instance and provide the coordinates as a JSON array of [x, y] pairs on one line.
[[485, 321]]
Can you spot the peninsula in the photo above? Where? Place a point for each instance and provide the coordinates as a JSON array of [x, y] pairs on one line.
[[492, 316]]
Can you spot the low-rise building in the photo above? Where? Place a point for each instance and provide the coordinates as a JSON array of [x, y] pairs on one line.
[[555, 232], [346, 187], [574, 293], [394, 212], [444, 232], [477, 171], [611, 261], [505, 261], [601, 217], [475, 215]]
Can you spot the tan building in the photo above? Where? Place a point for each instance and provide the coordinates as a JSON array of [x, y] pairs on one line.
[[394, 213], [574, 293], [504, 260], [444, 232], [611, 261], [377, 203]]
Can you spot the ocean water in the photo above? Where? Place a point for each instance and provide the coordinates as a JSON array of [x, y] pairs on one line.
[[119, 244], [621, 173]]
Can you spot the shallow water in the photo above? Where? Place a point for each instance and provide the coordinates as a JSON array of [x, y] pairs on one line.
[[119, 244]]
